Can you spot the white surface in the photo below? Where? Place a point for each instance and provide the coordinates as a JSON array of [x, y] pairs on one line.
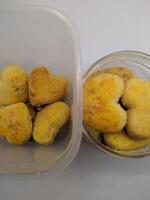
[[104, 27]]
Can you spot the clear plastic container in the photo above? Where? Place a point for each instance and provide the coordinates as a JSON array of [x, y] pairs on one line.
[[139, 63], [31, 36]]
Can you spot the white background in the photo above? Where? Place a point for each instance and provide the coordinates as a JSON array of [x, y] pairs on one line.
[[104, 26]]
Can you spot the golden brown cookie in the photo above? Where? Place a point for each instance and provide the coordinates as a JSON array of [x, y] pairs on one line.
[[123, 72], [136, 93], [45, 87], [101, 110], [121, 141], [15, 123], [49, 121], [138, 123], [136, 98], [13, 85]]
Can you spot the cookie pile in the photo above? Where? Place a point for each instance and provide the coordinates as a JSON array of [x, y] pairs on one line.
[[116, 108], [30, 105]]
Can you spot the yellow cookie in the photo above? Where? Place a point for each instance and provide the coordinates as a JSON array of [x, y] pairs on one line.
[[108, 118], [121, 141], [13, 85], [136, 93], [103, 87], [138, 123], [101, 110], [45, 87], [123, 72], [49, 121], [15, 123], [136, 98]]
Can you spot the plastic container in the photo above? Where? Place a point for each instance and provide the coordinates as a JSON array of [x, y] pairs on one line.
[[32, 36], [139, 63]]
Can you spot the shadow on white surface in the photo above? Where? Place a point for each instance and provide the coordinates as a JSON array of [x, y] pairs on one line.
[[92, 175], [90, 160]]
